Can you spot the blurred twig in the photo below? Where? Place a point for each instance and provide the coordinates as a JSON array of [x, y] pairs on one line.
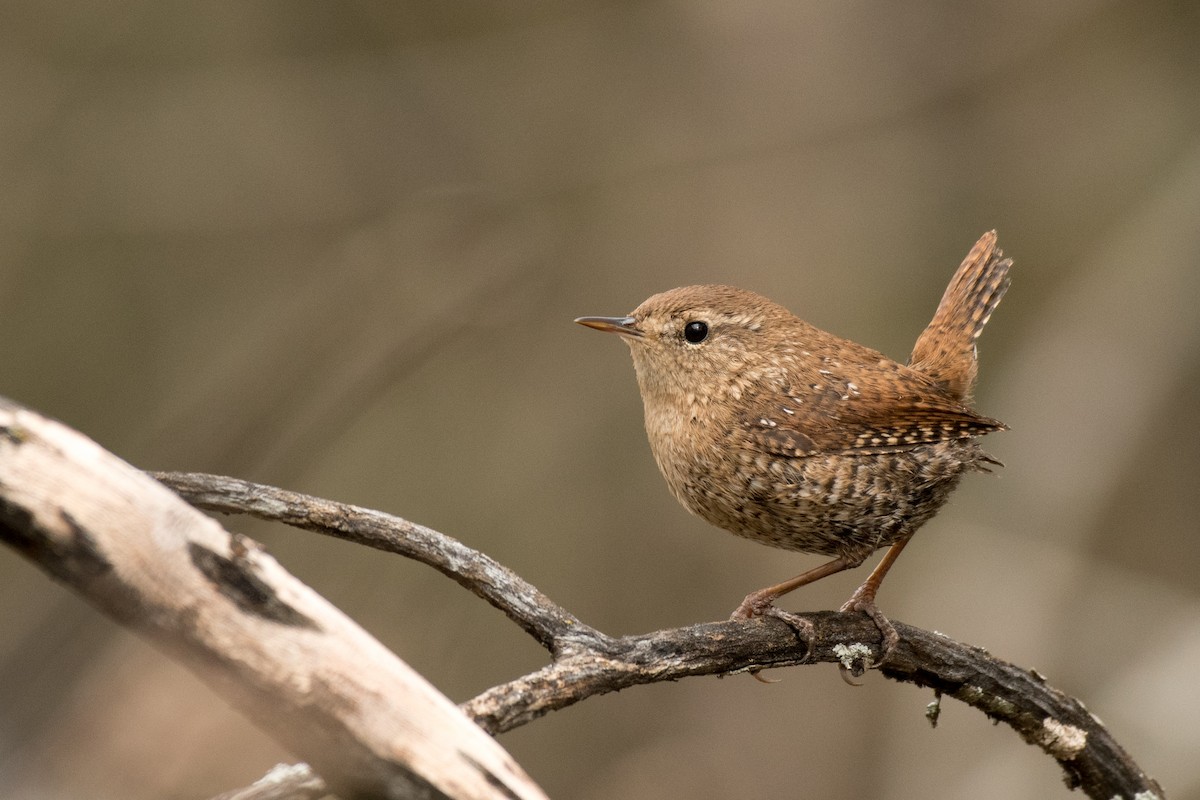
[[284, 782], [587, 662]]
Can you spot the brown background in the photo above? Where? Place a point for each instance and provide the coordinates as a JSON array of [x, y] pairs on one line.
[[337, 247]]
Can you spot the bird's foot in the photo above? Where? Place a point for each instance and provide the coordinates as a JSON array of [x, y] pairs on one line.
[[806, 632], [759, 604], [863, 600], [756, 604]]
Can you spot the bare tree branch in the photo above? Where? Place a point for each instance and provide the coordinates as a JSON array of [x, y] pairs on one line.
[[587, 662], [548, 623], [302, 670]]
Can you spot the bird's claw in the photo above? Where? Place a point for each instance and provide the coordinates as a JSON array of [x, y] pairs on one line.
[[805, 631], [861, 601]]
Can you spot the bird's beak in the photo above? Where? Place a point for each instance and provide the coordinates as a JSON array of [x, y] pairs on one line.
[[626, 326]]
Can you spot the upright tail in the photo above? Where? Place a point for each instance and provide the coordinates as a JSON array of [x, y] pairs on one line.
[[945, 350]]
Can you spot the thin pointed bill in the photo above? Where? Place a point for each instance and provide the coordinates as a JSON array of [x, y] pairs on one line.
[[626, 326]]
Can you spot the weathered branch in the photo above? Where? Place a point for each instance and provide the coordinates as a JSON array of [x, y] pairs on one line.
[[303, 671], [549, 624], [587, 662]]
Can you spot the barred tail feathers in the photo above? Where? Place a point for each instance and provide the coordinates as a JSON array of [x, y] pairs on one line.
[[945, 350]]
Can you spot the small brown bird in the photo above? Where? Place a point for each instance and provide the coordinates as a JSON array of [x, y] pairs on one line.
[[782, 433]]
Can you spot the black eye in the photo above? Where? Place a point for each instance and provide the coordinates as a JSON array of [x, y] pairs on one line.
[[695, 331]]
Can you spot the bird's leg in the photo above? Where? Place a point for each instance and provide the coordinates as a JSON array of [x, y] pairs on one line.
[[863, 600], [759, 603]]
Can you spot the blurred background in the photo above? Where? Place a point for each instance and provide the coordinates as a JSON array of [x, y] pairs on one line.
[[338, 248]]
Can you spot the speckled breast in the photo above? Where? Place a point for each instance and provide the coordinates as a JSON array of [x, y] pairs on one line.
[[833, 504]]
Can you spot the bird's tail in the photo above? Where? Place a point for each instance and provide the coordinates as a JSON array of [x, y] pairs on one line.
[[945, 350]]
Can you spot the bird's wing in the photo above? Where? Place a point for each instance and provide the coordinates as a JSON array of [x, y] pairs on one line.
[[833, 415]]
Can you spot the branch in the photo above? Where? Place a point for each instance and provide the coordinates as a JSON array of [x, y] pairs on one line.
[[548, 623], [303, 671], [587, 662], [283, 782]]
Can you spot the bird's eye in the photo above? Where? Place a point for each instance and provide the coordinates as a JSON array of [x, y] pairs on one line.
[[695, 331]]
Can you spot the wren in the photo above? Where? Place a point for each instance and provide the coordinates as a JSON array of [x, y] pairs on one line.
[[777, 431]]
